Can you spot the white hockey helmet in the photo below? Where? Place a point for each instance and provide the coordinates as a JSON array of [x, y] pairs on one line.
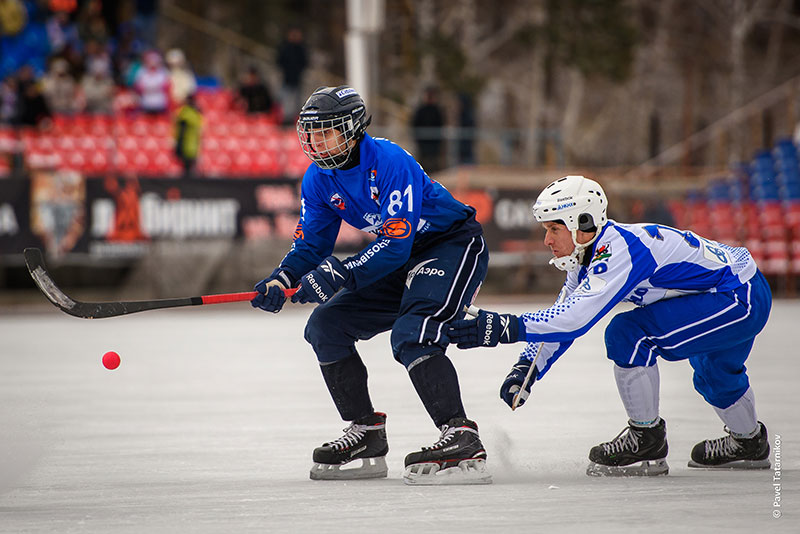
[[579, 203]]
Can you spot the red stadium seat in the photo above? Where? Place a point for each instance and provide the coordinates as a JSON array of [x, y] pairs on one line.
[[242, 164], [98, 162], [266, 163], [232, 145], [66, 142], [795, 256], [128, 143], [150, 144], [214, 163], [9, 141], [101, 125]]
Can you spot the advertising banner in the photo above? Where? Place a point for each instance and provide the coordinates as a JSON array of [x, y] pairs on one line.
[[64, 212], [117, 217]]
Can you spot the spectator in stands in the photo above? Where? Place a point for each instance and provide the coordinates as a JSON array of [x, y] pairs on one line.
[[91, 24], [181, 77], [427, 123], [127, 55], [8, 100], [13, 17], [59, 88], [97, 57], [146, 21], [188, 125], [292, 60], [61, 32], [466, 122], [152, 84], [98, 89], [33, 108], [254, 94]]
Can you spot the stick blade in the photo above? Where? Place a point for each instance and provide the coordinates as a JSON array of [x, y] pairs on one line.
[[36, 267], [34, 260]]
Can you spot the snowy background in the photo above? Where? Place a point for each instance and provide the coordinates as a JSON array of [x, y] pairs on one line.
[[209, 423]]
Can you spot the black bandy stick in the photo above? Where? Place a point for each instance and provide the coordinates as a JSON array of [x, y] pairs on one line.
[[101, 310]]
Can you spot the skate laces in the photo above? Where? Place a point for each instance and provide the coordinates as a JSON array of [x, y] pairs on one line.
[[628, 439], [448, 433], [722, 447], [352, 434]]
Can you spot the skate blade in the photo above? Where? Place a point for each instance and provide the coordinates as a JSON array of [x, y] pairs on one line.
[[737, 464], [369, 468], [472, 471], [647, 468]]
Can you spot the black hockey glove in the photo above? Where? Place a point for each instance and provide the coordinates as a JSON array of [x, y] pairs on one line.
[[270, 291], [323, 282], [489, 329], [513, 383]]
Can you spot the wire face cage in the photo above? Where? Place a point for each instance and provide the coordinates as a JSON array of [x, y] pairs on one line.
[[328, 142]]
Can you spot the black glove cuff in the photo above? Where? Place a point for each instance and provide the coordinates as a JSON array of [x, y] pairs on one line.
[[510, 332]]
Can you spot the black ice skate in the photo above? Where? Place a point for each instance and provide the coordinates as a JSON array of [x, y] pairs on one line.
[[729, 452], [636, 451], [458, 457], [364, 440]]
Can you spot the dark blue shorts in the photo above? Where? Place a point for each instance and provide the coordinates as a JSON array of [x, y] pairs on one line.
[[413, 302]]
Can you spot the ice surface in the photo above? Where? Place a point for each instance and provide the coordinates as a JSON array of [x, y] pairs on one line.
[[209, 423]]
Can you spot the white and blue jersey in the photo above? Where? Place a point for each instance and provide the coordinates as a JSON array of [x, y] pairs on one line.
[[643, 264], [387, 194]]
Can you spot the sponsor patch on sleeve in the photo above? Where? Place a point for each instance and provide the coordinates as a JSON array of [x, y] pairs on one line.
[[396, 227], [591, 285]]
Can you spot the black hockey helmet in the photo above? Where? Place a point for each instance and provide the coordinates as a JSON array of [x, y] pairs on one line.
[[332, 108]]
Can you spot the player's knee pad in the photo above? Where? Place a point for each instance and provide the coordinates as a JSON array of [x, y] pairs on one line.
[[329, 343], [414, 336], [621, 336]]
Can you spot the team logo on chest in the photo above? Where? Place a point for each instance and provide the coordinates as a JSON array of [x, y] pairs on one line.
[[603, 252], [337, 201], [375, 222]]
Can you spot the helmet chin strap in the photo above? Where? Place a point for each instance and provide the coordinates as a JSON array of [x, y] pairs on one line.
[[574, 260]]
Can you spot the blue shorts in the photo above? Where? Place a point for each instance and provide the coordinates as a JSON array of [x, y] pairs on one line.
[[413, 302], [714, 331]]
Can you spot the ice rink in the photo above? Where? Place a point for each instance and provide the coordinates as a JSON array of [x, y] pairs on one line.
[[209, 423]]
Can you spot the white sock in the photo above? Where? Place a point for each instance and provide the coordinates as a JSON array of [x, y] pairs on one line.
[[740, 417], [639, 388]]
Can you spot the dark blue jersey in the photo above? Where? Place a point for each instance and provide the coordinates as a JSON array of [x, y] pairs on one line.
[[387, 194]]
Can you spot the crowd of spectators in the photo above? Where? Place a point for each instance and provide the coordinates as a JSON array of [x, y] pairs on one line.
[[66, 64], [64, 57]]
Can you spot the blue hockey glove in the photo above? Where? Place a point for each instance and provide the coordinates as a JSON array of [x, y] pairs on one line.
[[270, 292], [514, 380], [323, 282], [489, 329]]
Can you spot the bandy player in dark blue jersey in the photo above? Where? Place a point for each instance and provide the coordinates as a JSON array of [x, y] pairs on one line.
[[426, 263]]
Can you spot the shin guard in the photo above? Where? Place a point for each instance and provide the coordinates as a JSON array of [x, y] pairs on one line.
[[347, 382], [435, 379]]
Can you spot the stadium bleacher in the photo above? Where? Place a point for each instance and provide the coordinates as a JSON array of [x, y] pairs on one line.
[[757, 205], [234, 144]]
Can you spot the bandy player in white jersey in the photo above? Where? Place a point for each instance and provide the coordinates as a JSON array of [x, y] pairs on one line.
[[697, 299]]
